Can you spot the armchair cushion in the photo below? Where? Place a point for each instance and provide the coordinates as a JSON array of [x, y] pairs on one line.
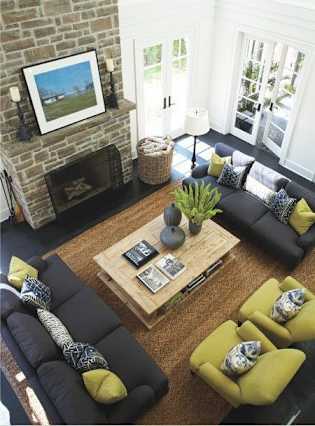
[[278, 334], [248, 331], [273, 371], [302, 327]]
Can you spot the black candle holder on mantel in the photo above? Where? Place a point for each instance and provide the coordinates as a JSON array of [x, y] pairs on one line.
[[111, 100], [23, 132]]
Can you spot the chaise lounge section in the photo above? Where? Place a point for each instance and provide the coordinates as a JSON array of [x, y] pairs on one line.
[[251, 215], [88, 319]]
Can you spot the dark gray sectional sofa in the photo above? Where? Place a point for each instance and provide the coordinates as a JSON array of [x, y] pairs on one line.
[[254, 217], [88, 319]]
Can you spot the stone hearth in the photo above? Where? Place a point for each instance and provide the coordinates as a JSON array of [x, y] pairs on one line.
[[36, 31]]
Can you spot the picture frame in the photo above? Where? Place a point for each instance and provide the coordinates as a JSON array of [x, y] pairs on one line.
[[64, 91]]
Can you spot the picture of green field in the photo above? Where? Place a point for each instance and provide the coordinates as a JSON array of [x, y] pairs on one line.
[[66, 90], [69, 105]]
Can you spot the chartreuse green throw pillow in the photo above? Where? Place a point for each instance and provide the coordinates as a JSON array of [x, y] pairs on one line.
[[104, 386], [18, 270], [217, 163], [302, 217]]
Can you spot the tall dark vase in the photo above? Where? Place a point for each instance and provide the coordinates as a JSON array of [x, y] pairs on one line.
[[172, 215]]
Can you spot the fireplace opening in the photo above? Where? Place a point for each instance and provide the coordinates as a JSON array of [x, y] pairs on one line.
[[84, 178]]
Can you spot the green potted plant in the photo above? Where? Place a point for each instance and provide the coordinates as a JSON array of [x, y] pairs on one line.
[[197, 203]]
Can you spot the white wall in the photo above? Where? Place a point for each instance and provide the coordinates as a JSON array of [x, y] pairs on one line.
[[142, 18], [271, 18]]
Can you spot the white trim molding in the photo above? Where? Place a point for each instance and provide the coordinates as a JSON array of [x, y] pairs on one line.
[[298, 169]]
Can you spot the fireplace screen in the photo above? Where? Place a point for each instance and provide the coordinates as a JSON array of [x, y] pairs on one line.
[[82, 179]]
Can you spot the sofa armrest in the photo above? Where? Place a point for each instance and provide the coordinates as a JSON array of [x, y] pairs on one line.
[[221, 383], [291, 283], [38, 263], [10, 301], [248, 331], [307, 240], [200, 171], [276, 332], [134, 405]]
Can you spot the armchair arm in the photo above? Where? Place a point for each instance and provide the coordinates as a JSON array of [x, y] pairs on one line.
[[278, 334], [200, 171], [221, 383], [134, 405], [291, 283], [248, 331], [307, 240]]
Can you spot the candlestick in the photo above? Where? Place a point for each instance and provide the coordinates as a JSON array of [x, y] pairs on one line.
[[15, 94], [110, 67]]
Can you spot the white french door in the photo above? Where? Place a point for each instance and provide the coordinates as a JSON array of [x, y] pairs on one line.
[[163, 69], [269, 78]]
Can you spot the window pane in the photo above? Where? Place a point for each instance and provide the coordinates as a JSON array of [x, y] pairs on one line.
[[276, 135], [249, 89], [244, 123], [176, 47], [254, 50], [183, 49], [252, 70], [153, 98], [152, 55]]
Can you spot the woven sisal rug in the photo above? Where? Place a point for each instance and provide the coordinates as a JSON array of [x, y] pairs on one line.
[[171, 342]]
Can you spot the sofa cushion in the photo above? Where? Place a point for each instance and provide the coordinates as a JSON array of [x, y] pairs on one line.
[[104, 386], [18, 271], [65, 388], [268, 177], [32, 338], [10, 301], [87, 317], [243, 207], [83, 357], [278, 237], [133, 365], [57, 331], [35, 293], [224, 190], [61, 280]]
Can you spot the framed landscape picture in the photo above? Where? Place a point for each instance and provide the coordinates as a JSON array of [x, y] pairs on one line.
[[64, 91]]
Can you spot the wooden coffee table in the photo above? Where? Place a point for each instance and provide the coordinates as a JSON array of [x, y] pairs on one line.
[[198, 253]]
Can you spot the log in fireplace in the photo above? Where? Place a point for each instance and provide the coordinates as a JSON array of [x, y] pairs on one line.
[[84, 178]]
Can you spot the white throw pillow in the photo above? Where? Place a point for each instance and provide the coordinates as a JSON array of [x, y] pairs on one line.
[[261, 191]]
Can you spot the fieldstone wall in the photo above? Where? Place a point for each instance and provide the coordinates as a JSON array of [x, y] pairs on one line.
[[33, 31]]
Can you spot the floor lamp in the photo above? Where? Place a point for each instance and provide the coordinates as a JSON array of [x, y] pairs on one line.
[[196, 124]]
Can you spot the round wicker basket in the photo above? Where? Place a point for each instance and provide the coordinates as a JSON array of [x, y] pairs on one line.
[[155, 168]]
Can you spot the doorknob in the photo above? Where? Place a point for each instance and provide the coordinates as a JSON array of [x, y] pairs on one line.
[[170, 102], [271, 106], [259, 107]]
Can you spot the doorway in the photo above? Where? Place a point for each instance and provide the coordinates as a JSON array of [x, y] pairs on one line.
[[163, 69], [269, 79]]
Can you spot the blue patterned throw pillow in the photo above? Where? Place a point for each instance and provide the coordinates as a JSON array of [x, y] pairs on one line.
[[241, 358], [35, 293], [288, 305], [83, 357], [232, 176], [282, 206]]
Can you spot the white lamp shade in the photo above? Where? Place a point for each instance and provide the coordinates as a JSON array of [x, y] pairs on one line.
[[197, 122]]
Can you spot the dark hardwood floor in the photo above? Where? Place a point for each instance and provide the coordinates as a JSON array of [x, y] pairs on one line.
[[296, 405]]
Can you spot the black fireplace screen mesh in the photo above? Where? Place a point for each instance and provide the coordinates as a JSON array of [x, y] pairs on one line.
[[84, 178]]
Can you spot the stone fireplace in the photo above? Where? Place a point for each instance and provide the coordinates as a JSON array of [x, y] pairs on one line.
[[35, 31]]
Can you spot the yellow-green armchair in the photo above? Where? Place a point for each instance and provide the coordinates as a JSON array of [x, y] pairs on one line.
[[263, 383], [258, 306]]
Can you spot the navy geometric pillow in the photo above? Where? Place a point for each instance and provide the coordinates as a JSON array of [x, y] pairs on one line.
[[35, 293], [83, 357], [232, 176], [282, 206]]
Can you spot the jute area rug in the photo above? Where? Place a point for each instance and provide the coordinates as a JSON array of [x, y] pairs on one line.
[[170, 343]]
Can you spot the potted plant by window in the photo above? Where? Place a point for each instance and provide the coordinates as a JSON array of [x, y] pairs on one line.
[[197, 203]]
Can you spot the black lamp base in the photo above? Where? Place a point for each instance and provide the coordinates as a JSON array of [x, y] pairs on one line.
[[193, 159]]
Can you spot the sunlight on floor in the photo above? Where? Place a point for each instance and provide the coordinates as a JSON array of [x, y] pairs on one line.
[[38, 413]]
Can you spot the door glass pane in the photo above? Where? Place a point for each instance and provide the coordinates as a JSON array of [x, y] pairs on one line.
[[249, 89], [276, 134], [252, 70], [153, 91], [180, 83], [246, 112]]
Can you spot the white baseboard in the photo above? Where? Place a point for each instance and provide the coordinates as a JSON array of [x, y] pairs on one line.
[[298, 169]]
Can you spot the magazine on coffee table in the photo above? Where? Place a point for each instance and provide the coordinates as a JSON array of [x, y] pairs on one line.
[[153, 279], [171, 266], [140, 254]]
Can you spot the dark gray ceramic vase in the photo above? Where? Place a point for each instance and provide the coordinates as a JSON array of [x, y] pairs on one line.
[[193, 228], [172, 215], [172, 237]]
